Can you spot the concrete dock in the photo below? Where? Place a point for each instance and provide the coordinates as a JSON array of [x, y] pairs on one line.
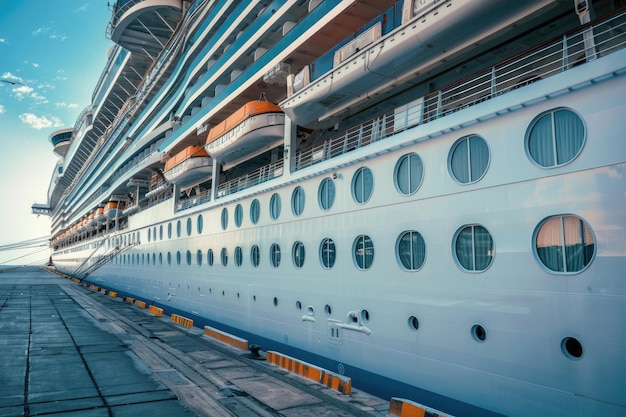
[[71, 351]]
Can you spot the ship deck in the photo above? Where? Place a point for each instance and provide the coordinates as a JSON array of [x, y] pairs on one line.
[[69, 350]]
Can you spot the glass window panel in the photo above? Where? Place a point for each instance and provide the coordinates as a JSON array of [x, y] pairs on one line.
[[297, 201], [275, 206], [570, 134], [362, 185], [255, 211], [275, 255], [408, 173], [363, 252], [540, 142], [411, 250], [326, 194], [255, 256], [238, 215], [298, 254], [327, 253]]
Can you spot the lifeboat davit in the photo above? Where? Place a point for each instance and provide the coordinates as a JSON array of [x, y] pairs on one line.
[[188, 167], [256, 127], [113, 209]]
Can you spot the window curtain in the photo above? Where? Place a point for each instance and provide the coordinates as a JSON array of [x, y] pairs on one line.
[[570, 133], [459, 162], [540, 142], [479, 157]]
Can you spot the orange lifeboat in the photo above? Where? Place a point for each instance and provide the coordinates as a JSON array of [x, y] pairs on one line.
[[256, 127], [188, 167], [113, 209], [91, 220], [100, 214]]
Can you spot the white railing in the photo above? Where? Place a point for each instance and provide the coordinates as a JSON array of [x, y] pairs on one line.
[[587, 43], [258, 176]]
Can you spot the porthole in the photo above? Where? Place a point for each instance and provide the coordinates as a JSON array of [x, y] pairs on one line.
[[363, 252], [310, 311], [468, 159], [188, 257], [149, 236], [473, 247], [328, 310], [238, 215], [572, 348], [298, 305], [199, 224], [224, 257], [189, 226], [275, 206], [255, 211], [255, 256], [327, 253], [297, 201], [326, 194], [161, 232], [555, 138], [413, 323], [411, 250], [178, 228], [564, 244], [297, 254], [224, 218], [238, 256], [275, 255], [178, 257], [153, 258], [169, 259], [408, 173], [362, 185], [209, 257], [169, 230], [275, 302], [154, 234], [199, 257], [478, 333], [160, 258]]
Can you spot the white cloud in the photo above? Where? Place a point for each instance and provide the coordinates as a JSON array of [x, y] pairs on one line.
[[2, 40], [39, 98], [35, 65], [50, 32], [8, 76], [69, 106], [22, 91], [42, 122], [2, 110]]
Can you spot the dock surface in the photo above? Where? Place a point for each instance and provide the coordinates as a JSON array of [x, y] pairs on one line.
[[71, 351]]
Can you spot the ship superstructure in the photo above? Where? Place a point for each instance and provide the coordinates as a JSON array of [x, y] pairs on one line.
[[427, 196]]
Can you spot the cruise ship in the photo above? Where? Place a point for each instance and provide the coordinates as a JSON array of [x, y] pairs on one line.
[[427, 196]]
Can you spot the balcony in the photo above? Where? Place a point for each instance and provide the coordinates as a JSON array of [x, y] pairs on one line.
[[144, 26]]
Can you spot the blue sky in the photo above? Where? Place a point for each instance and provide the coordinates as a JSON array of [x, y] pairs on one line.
[[56, 49]]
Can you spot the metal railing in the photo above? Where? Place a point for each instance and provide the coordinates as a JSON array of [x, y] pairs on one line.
[[258, 176], [586, 43]]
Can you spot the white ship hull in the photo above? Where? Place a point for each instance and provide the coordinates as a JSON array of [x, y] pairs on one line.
[[456, 238], [525, 310]]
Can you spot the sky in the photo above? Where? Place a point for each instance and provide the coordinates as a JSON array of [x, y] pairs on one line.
[[56, 51]]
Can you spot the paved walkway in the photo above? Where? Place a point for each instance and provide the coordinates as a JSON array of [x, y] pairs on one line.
[[69, 351]]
